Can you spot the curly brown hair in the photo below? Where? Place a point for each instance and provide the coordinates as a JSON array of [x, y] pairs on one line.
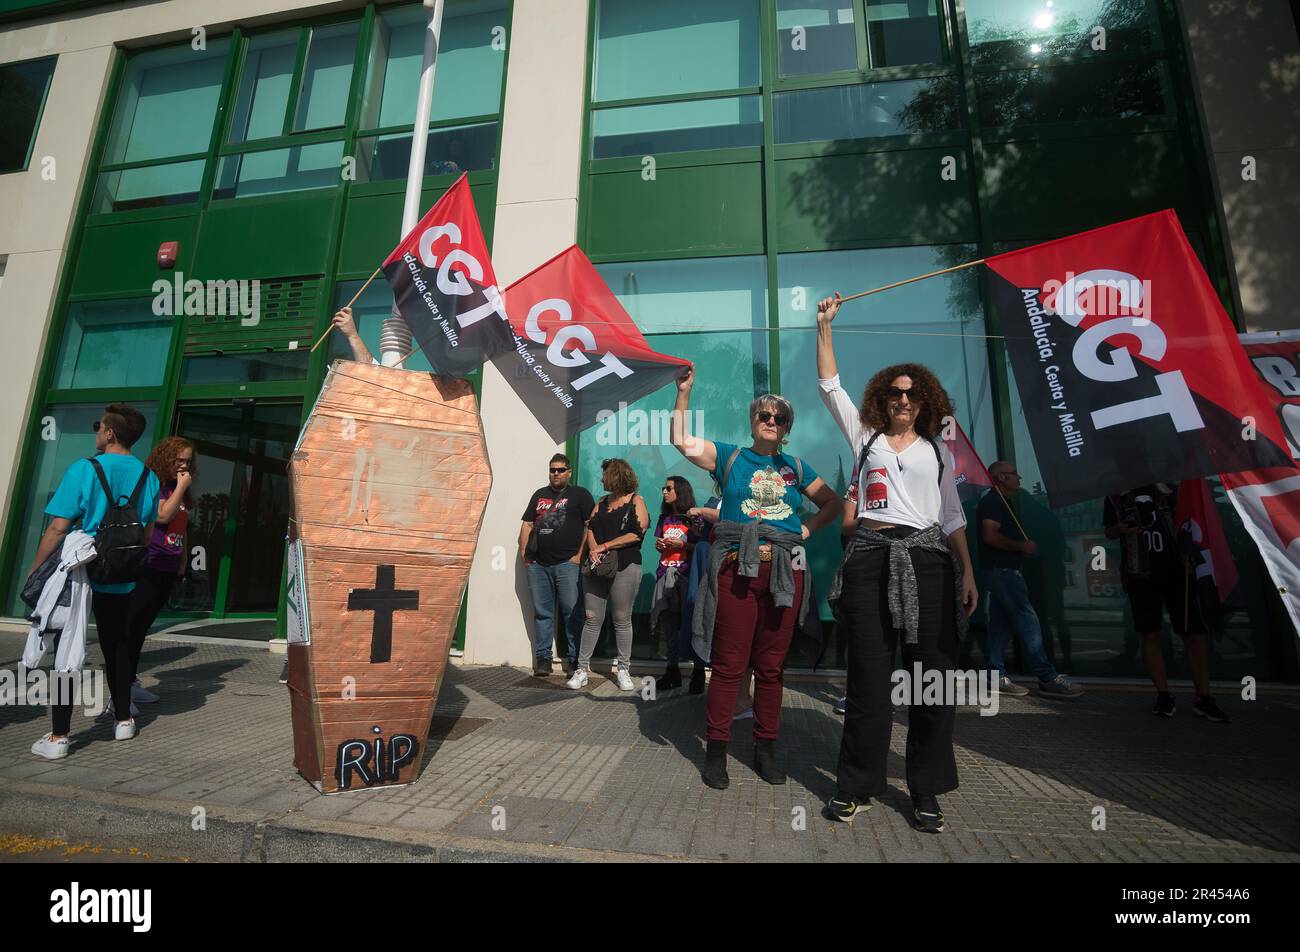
[[162, 460], [618, 477], [926, 391]]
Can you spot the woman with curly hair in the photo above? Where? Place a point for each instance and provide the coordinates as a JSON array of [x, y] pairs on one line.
[[174, 463], [614, 534], [906, 570]]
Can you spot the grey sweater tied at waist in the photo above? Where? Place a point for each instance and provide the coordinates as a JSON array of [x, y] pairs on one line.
[[745, 538], [904, 606]]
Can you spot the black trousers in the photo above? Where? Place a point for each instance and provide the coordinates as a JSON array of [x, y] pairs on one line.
[[115, 641], [151, 593], [869, 713]]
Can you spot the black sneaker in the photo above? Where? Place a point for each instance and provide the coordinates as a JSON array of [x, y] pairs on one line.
[[1164, 705], [845, 809], [841, 705], [541, 667], [697, 679], [284, 672], [1206, 708], [926, 812]]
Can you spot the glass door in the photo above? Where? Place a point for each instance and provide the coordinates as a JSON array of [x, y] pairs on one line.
[[241, 505]]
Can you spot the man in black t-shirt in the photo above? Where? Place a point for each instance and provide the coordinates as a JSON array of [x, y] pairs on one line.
[[555, 523], [1156, 578], [1002, 546]]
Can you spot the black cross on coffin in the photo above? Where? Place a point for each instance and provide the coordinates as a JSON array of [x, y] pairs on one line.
[[383, 600]]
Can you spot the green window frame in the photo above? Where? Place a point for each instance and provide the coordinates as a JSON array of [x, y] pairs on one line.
[[24, 88]]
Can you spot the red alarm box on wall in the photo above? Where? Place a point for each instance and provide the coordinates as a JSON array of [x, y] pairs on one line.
[[167, 252]]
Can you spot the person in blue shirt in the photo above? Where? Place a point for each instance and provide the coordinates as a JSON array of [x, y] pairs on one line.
[[80, 499], [754, 593]]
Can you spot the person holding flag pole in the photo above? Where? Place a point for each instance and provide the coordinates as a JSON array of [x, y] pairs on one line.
[[1003, 543], [905, 571]]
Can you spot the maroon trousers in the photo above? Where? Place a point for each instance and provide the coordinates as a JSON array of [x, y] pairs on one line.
[[749, 632]]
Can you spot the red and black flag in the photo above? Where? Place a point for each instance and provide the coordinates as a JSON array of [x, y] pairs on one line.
[[443, 285], [1128, 368], [972, 476], [575, 351]]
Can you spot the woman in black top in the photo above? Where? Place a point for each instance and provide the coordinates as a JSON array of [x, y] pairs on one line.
[[614, 532]]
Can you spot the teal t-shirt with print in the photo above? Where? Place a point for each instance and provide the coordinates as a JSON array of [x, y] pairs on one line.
[[81, 497], [762, 487]]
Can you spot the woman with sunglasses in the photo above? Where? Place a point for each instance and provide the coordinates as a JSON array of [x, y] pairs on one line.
[[906, 569], [676, 535], [755, 592]]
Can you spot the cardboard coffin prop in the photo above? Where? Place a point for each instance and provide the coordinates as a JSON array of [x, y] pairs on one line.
[[388, 481]]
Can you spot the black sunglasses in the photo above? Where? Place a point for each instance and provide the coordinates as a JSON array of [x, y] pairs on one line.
[[97, 425], [897, 392], [562, 469], [767, 416], [670, 489]]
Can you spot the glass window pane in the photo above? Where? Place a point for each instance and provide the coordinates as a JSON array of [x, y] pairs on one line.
[[22, 97], [674, 46], [1071, 93], [245, 368], [1004, 31], [113, 344], [873, 109], [65, 437], [264, 86], [471, 64], [677, 127], [323, 98], [148, 187], [449, 151], [167, 103], [815, 36], [369, 311], [280, 170], [697, 295], [903, 32]]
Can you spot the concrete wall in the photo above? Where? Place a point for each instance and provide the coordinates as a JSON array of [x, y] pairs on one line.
[[536, 217], [1246, 64], [37, 210]]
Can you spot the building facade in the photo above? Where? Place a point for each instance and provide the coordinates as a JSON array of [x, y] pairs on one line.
[[724, 164]]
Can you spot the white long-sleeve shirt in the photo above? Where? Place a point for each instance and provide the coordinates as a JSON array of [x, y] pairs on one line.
[[901, 489]]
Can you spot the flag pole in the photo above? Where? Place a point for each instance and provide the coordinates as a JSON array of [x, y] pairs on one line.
[[395, 339], [349, 304], [919, 277]]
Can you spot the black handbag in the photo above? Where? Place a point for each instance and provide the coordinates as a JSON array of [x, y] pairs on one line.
[[606, 568]]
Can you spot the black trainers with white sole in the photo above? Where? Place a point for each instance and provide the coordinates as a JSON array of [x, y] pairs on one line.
[[926, 813], [845, 809]]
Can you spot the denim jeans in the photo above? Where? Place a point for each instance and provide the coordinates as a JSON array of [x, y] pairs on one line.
[[1009, 609], [550, 584]]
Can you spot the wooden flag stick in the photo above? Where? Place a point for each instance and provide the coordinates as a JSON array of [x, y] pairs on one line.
[[1006, 504], [349, 304], [919, 277]]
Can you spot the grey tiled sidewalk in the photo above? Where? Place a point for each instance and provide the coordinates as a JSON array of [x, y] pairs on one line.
[[610, 772]]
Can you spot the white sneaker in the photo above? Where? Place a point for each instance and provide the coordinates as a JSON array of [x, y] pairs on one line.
[[142, 695], [107, 713], [625, 680], [578, 681], [124, 730], [51, 749]]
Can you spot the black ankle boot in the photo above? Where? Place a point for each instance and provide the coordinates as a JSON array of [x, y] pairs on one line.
[[765, 764], [697, 679], [672, 678], [715, 765]]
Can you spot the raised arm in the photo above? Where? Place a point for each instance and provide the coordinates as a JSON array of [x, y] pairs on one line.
[[703, 453], [827, 308], [343, 321]]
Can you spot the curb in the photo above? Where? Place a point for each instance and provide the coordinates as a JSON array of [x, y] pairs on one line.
[[162, 828]]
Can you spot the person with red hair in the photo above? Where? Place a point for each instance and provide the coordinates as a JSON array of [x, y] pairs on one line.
[[173, 462]]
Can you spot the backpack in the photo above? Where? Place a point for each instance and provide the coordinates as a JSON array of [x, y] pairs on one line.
[[866, 451], [121, 541]]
